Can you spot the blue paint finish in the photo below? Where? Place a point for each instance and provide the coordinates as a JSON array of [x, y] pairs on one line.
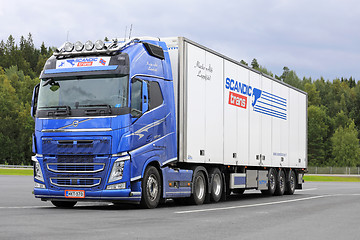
[[239, 180], [149, 139]]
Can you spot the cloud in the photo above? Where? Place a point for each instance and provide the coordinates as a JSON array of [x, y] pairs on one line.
[[315, 38]]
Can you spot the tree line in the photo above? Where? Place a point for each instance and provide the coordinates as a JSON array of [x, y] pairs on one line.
[[333, 107]]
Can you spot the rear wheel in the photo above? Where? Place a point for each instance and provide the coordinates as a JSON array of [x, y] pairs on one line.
[[271, 183], [63, 204], [290, 184], [216, 184], [280, 183], [151, 188], [199, 188]]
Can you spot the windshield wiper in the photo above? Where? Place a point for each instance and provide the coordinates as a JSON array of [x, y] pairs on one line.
[[50, 81], [63, 110], [96, 109]]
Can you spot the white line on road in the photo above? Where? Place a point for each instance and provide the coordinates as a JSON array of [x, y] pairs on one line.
[[264, 204], [25, 207], [309, 189]]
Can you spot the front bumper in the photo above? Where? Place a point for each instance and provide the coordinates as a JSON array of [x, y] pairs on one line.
[[125, 195]]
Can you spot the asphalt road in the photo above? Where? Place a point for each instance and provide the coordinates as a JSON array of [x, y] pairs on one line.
[[319, 211]]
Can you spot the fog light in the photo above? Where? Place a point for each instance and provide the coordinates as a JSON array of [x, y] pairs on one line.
[[68, 47], [116, 186], [89, 45], [39, 185], [79, 46]]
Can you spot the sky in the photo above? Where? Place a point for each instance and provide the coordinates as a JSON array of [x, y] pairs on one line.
[[315, 38]]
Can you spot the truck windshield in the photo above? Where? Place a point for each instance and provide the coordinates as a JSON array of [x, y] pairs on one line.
[[83, 92]]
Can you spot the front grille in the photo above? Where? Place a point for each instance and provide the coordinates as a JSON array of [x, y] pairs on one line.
[[75, 182], [75, 159], [76, 167]]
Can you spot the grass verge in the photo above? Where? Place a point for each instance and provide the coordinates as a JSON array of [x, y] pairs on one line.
[[311, 178], [19, 172]]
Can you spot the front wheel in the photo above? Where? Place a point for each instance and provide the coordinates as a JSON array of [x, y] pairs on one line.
[[151, 188], [63, 204]]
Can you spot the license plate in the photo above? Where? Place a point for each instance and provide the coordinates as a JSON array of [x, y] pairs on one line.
[[74, 193]]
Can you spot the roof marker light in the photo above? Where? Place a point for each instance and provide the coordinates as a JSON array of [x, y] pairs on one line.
[[68, 47], [99, 45], [89, 45], [79, 46]]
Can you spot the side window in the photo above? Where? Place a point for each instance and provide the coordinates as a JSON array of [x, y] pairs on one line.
[[155, 95], [136, 96]]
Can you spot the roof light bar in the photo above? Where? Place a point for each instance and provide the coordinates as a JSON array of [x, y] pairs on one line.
[[79, 46], [89, 45], [99, 45], [68, 47]]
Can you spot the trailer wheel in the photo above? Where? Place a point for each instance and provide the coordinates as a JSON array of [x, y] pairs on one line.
[[151, 188], [216, 184], [291, 184], [199, 188], [63, 204], [280, 183], [272, 182]]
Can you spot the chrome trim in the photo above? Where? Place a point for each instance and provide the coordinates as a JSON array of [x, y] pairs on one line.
[[76, 164], [78, 122], [168, 161], [135, 178], [119, 154], [83, 186], [149, 76], [136, 193], [112, 116], [79, 130]]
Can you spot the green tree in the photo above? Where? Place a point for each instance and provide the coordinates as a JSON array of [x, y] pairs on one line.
[[318, 131], [255, 64], [345, 150], [313, 94]]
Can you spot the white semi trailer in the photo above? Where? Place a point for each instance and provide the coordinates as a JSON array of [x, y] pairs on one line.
[[154, 118]]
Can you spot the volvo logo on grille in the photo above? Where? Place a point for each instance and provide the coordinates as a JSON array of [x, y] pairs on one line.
[[75, 123]]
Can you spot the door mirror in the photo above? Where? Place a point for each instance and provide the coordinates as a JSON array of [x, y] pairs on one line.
[[34, 100]]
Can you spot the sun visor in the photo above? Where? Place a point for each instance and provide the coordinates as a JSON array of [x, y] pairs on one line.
[[85, 66]]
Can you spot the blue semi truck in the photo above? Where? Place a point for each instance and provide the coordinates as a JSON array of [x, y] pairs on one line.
[[147, 119]]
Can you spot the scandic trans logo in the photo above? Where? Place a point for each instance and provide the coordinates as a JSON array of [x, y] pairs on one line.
[[83, 62], [262, 102]]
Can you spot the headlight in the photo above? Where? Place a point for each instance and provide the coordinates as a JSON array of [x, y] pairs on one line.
[[37, 170], [118, 169]]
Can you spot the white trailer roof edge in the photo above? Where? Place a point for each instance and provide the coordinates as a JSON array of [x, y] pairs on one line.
[[238, 63]]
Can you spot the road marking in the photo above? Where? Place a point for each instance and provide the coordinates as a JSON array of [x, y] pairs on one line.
[[25, 207], [309, 189], [251, 205]]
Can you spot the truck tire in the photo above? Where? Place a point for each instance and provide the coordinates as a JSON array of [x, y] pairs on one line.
[[199, 188], [217, 184], [280, 183], [63, 204], [272, 182], [291, 183], [151, 188]]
